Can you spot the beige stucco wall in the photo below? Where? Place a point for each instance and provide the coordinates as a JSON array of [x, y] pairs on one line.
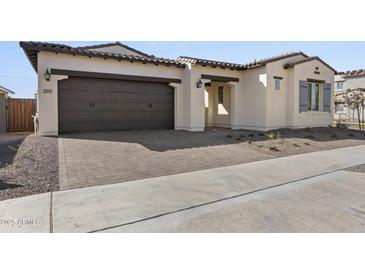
[[47, 102], [253, 103], [251, 100], [311, 118], [283, 106], [278, 103], [354, 82]]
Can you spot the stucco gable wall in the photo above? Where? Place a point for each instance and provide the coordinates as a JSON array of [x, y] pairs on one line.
[[283, 106], [278, 102], [312, 118]]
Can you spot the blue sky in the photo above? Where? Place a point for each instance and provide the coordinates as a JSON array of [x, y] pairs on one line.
[[17, 74]]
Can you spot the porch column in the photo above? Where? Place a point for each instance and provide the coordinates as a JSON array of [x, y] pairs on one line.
[[178, 106], [234, 104], [205, 81]]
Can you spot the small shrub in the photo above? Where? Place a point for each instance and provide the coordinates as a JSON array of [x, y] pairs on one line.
[[270, 135], [249, 141], [229, 136], [274, 148], [296, 145]]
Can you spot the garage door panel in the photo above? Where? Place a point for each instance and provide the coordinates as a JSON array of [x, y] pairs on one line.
[[116, 105], [116, 86]]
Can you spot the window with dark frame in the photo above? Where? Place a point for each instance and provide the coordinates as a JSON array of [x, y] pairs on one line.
[[220, 95], [313, 96], [277, 84]]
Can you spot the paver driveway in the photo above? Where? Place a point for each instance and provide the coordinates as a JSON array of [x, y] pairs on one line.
[[90, 159]]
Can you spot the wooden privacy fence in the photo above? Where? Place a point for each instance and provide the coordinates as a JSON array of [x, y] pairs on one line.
[[19, 114]]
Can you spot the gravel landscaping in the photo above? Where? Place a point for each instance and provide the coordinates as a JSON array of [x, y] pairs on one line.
[[286, 142], [28, 165]]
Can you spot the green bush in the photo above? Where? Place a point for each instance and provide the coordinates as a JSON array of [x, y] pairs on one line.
[[270, 135]]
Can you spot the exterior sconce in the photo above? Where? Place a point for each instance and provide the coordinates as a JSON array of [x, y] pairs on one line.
[[199, 84], [47, 75]]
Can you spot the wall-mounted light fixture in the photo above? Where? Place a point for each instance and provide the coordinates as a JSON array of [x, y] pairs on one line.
[[199, 84], [47, 75]]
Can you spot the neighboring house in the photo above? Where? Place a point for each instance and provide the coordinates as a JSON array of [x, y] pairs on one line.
[[343, 81], [115, 87], [4, 94]]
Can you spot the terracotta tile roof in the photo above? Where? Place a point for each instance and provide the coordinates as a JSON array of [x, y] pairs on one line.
[[308, 59], [116, 44], [233, 66], [352, 73], [262, 62], [211, 63], [31, 50]]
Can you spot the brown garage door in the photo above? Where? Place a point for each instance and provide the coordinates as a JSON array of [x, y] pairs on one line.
[[88, 104]]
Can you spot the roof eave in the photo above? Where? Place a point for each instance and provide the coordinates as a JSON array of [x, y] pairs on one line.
[[34, 65], [5, 90], [309, 59], [28, 49]]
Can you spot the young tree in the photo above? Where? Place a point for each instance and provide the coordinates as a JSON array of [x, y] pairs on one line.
[[354, 99]]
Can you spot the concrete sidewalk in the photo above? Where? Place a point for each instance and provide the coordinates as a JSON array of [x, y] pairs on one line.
[[106, 207]]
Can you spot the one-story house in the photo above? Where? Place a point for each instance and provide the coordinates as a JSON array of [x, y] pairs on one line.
[[4, 94], [115, 87], [343, 81]]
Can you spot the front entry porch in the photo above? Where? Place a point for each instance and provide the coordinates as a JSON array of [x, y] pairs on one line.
[[219, 104]]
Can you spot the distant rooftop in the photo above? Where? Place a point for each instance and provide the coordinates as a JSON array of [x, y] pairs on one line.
[[3, 89]]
